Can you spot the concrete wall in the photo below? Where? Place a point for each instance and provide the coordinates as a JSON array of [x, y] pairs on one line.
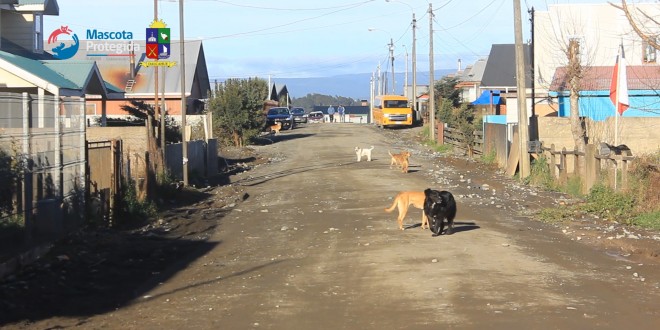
[[641, 135]]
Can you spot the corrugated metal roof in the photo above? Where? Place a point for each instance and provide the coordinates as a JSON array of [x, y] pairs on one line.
[[116, 70], [38, 69], [597, 78], [77, 72], [475, 72], [500, 70]]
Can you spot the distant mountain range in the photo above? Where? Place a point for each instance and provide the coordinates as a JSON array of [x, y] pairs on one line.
[[355, 86]]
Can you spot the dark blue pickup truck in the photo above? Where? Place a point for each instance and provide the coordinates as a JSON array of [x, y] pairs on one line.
[[282, 115]]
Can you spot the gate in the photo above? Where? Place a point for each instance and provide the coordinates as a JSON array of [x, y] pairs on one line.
[[104, 159]]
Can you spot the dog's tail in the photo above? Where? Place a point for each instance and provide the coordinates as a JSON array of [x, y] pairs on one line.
[[388, 151], [372, 148], [391, 208]]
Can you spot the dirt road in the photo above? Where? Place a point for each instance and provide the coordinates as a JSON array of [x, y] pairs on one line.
[[303, 242]]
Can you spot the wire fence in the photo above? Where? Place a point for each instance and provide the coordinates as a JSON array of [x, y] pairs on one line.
[[42, 146]]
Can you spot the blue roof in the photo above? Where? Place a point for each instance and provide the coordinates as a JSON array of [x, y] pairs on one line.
[[485, 98]]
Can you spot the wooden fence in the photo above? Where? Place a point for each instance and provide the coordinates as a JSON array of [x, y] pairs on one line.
[[601, 162], [454, 136]]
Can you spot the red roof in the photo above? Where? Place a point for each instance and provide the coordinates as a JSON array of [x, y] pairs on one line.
[[596, 78]]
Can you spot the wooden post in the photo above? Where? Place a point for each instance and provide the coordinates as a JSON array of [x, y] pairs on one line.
[[591, 170], [563, 169], [441, 133], [624, 173], [553, 161]]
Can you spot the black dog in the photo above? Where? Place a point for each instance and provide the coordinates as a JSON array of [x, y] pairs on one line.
[[438, 207]]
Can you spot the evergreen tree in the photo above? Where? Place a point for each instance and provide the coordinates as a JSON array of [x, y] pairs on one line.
[[238, 107]]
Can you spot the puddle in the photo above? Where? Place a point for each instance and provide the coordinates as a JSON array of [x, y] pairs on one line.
[[617, 256]]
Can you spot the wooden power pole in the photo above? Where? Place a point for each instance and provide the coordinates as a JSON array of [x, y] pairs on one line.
[[523, 125], [431, 77]]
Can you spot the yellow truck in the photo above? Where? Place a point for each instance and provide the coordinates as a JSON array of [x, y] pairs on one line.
[[392, 110]]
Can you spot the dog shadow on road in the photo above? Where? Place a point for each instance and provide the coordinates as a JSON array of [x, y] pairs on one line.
[[459, 226]]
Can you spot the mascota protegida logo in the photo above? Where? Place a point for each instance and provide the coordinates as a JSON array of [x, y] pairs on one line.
[[61, 50]]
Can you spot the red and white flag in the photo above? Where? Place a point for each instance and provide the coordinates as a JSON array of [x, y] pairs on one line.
[[619, 84]]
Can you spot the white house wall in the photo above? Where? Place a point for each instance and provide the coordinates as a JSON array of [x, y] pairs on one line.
[[600, 28]]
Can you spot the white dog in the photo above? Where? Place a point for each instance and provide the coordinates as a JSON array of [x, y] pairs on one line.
[[360, 152]]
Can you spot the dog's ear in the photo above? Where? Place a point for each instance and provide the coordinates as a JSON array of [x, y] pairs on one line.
[[427, 191]]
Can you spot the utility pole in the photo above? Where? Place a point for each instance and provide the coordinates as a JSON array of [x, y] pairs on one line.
[[414, 65], [523, 127], [157, 108], [431, 77], [182, 63], [534, 129], [405, 79], [372, 95], [392, 59]]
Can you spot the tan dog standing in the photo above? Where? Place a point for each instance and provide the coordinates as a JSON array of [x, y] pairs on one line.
[[276, 128], [403, 200], [400, 160]]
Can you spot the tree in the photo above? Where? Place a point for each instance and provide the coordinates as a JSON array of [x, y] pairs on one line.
[[145, 111], [641, 28], [310, 100], [445, 88], [574, 77], [238, 105]]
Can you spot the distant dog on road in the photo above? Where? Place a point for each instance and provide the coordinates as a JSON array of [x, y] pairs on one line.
[[400, 160], [361, 152], [438, 207], [276, 128]]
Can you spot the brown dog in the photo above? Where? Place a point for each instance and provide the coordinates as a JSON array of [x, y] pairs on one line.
[[403, 200], [276, 128], [400, 160]]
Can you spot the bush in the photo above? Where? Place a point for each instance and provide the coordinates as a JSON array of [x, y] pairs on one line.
[[605, 202], [131, 208], [541, 176]]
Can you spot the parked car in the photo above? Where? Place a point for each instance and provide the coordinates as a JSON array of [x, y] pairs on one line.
[[282, 115], [299, 115], [315, 117]]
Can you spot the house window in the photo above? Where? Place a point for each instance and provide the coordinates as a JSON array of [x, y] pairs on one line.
[[650, 53], [38, 34]]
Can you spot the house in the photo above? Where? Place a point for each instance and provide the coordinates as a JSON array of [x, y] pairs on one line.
[[280, 94], [469, 80], [21, 26], [499, 79], [135, 75], [599, 30], [594, 101]]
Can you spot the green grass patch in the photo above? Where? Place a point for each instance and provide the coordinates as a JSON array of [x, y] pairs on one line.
[[573, 187], [541, 176], [647, 220], [489, 158], [556, 215]]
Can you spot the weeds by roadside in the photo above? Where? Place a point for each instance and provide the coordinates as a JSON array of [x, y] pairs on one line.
[[425, 136], [638, 205]]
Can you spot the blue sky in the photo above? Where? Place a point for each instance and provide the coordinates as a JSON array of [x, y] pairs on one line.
[[302, 38]]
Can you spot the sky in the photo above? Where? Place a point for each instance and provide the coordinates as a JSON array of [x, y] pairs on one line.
[[303, 38]]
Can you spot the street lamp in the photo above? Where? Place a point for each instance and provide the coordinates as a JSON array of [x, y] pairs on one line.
[[391, 47], [414, 54]]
